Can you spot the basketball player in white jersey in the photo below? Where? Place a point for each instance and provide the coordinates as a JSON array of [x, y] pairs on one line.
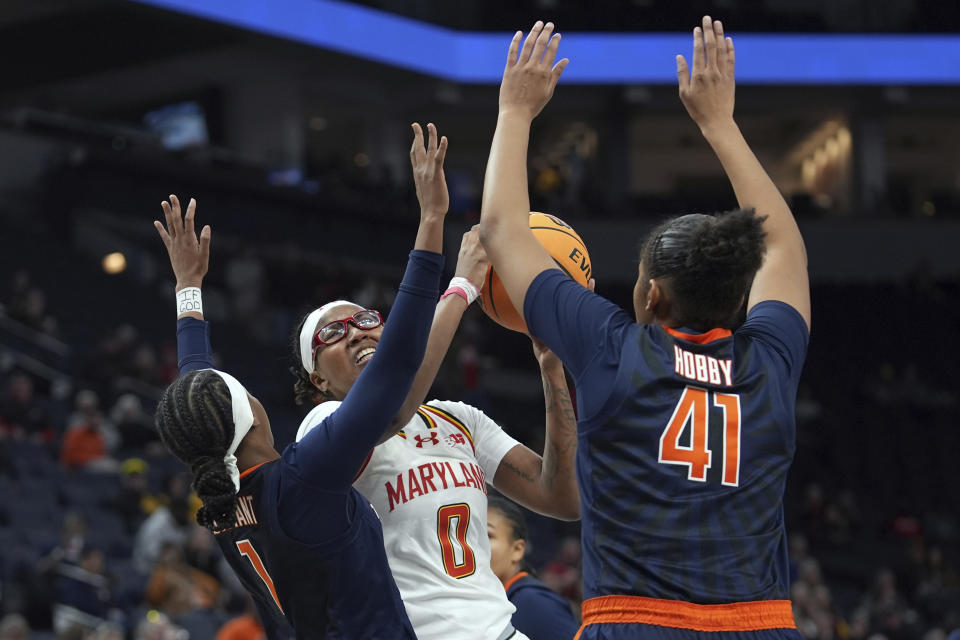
[[428, 482]]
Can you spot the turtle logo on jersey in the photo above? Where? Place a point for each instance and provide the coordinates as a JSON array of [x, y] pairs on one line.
[[454, 439]]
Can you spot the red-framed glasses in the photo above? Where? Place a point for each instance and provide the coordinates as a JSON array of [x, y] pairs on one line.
[[334, 332]]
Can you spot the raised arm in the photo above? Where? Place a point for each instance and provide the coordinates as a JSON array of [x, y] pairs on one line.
[[471, 264], [547, 485], [528, 83], [330, 454], [190, 259], [708, 95]]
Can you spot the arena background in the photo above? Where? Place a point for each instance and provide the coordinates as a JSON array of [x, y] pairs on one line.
[[289, 122]]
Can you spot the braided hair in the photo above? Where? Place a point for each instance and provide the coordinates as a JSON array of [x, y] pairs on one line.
[[304, 391], [195, 422], [518, 524], [709, 261]]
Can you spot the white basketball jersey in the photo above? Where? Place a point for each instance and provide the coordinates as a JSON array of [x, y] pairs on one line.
[[428, 484]]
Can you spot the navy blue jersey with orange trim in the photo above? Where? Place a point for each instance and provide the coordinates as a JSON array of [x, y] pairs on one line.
[[308, 546], [335, 589], [541, 614], [685, 441]]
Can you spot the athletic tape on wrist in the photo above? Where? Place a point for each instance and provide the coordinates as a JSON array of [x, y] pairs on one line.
[[471, 291], [189, 299]]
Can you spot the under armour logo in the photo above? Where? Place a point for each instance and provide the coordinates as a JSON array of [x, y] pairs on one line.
[[433, 439], [455, 439]]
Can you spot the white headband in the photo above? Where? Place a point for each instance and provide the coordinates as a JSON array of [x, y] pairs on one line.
[[308, 331], [242, 422]]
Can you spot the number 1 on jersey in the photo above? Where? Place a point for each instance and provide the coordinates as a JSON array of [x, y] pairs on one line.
[[247, 550], [694, 409]]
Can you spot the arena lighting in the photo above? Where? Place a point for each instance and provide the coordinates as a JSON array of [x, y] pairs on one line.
[[114, 263], [610, 58]]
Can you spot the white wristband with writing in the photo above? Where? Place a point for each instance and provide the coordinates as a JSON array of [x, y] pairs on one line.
[[189, 299]]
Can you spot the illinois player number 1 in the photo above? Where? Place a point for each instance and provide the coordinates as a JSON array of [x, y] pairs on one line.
[[694, 409]]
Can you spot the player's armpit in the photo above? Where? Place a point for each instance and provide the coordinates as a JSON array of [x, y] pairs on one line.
[[517, 257]]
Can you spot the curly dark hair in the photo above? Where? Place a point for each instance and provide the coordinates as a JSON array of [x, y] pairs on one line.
[[195, 422], [709, 262], [304, 392]]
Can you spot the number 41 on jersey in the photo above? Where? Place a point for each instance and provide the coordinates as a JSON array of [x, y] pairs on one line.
[[694, 410]]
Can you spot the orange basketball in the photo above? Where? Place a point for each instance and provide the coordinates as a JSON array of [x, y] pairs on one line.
[[567, 250]]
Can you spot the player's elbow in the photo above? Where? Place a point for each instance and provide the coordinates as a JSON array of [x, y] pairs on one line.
[[565, 507], [567, 513], [489, 227]]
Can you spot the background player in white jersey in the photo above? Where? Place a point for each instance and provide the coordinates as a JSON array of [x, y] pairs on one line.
[[428, 482]]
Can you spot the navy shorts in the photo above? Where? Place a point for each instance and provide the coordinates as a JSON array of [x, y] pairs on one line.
[[629, 631]]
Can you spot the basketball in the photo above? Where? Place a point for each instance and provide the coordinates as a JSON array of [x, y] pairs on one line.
[[564, 246]]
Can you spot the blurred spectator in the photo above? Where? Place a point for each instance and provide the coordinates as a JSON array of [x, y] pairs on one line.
[[134, 425], [31, 310], [156, 626], [133, 502], [176, 588], [21, 412], [563, 573], [245, 278], [202, 553], [108, 631], [167, 524], [82, 593], [13, 626], [244, 627], [888, 610], [84, 446], [73, 540]]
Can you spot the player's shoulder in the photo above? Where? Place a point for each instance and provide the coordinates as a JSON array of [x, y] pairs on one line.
[[774, 312], [317, 415], [453, 409]]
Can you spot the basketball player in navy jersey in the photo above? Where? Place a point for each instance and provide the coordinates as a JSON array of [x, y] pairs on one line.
[[686, 427], [541, 614], [305, 544]]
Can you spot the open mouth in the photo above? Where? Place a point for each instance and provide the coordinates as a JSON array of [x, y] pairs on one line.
[[365, 354]]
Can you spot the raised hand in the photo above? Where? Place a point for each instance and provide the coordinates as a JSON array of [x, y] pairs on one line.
[[531, 75], [427, 161], [189, 256], [472, 262], [707, 91]]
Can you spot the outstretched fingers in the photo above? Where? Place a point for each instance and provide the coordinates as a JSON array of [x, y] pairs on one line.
[[683, 73], [417, 150], [530, 41], [709, 43], [171, 229], [557, 71], [204, 251], [177, 217], [542, 41], [441, 153], [164, 236], [721, 46], [514, 49], [431, 138], [189, 218], [698, 54], [551, 53], [731, 57]]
